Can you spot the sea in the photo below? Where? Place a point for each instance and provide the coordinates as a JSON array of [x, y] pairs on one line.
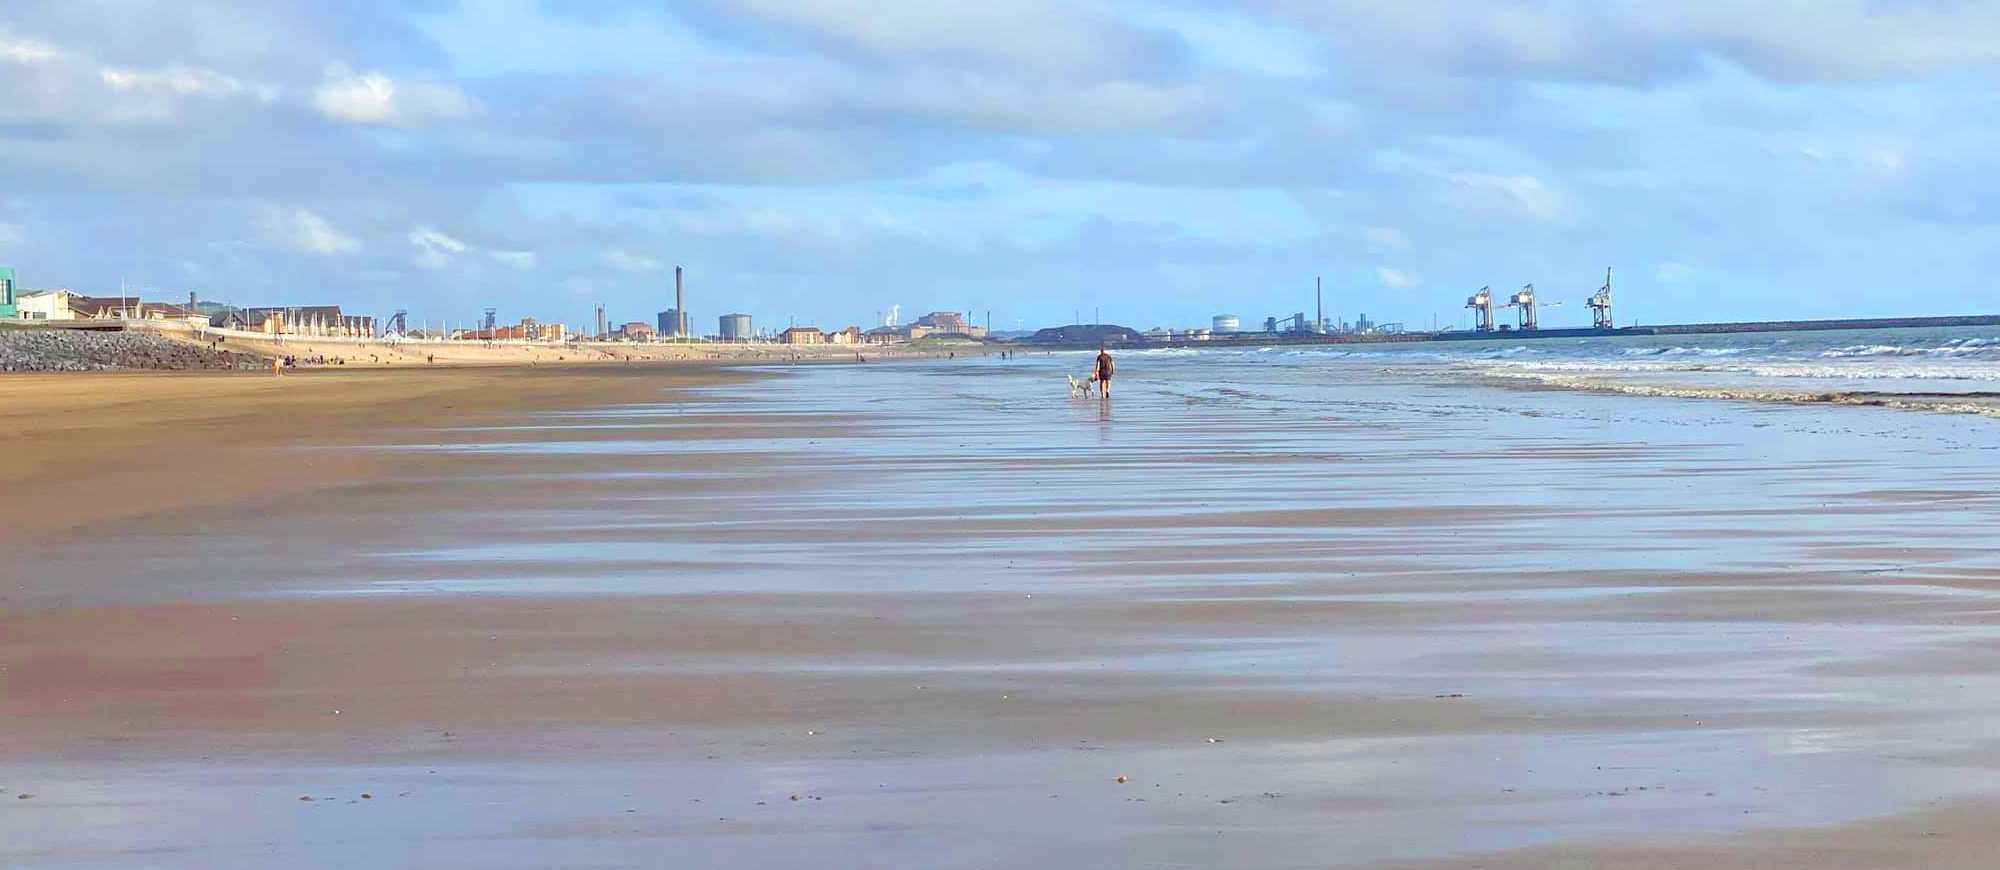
[[1953, 370]]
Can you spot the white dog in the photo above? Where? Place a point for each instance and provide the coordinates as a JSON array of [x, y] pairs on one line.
[[1079, 388]]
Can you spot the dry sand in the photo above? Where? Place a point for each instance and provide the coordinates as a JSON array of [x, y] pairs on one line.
[[160, 623], [379, 353]]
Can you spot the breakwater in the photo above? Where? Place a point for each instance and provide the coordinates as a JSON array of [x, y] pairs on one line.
[[69, 350]]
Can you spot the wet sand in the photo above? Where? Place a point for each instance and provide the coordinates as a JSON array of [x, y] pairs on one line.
[[623, 619]]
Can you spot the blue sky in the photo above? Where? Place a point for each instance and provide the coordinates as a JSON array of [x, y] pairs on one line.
[[821, 160]]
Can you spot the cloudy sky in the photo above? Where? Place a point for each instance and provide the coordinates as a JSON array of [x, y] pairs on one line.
[[820, 160]]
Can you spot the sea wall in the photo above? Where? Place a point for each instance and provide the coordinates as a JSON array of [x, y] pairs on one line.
[[69, 350]]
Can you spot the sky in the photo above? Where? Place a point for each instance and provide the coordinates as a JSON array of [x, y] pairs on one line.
[[1141, 163]]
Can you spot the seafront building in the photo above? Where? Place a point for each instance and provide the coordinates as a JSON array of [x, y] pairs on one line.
[[330, 321], [65, 304], [310, 320]]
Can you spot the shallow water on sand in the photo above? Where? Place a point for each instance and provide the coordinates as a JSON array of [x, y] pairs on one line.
[[1319, 615]]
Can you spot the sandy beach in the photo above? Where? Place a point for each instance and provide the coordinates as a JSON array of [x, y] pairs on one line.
[[937, 614]]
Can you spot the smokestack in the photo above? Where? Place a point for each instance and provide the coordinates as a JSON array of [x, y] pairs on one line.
[[680, 306], [1319, 308]]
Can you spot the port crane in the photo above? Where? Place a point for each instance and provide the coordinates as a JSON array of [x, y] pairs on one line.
[[1600, 305], [1530, 307], [1482, 302]]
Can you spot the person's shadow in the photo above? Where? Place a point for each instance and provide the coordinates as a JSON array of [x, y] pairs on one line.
[[1104, 418]]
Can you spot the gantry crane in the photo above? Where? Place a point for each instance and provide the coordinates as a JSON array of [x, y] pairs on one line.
[[1482, 302], [1600, 305], [1530, 307]]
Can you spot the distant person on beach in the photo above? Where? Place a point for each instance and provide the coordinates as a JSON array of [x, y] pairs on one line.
[[1104, 367]]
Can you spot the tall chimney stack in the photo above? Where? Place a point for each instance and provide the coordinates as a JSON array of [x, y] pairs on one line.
[[680, 306]]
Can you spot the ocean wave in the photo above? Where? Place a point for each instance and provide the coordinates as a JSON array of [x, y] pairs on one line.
[[1775, 369], [1873, 373], [1872, 350], [1984, 404], [1683, 351], [1958, 348]]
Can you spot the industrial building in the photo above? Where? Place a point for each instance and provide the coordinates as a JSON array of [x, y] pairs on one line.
[[528, 329], [7, 308], [944, 321], [671, 321], [636, 331], [1225, 323], [734, 327]]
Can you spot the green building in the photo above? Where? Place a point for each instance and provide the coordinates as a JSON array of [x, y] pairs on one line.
[[7, 306]]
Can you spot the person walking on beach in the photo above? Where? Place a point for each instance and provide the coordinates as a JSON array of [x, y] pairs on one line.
[[1104, 367]]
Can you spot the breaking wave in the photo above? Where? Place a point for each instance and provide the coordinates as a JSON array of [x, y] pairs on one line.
[[1986, 404]]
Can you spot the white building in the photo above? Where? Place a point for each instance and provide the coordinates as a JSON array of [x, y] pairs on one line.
[[47, 304]]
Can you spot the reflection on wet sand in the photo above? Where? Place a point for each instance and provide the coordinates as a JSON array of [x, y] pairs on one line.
[[1391, 623]]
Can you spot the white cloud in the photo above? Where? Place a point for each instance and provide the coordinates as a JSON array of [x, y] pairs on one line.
[[1397, 279], [375, 99], [1672, 273], [436, 247], [427, 237], [302, 230], [522, 260], [183, 81], [15, 49], [623, 261]]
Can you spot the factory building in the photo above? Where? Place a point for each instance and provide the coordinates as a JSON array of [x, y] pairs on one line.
[[944, 323], [670, 322], [636, 331], [1225, 323], [734, 327]]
